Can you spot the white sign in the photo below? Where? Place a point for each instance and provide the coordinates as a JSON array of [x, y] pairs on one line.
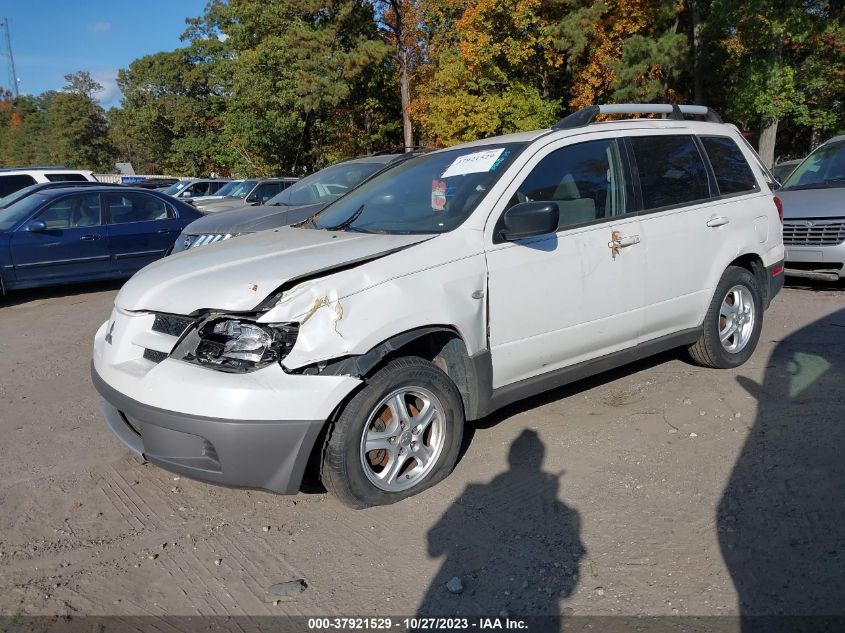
[[473, 163]]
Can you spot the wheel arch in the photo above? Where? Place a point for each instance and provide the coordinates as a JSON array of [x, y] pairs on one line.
[[439, 344], [753, 263]]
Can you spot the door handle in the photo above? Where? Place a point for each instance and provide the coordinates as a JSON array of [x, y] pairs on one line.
[[617, 241], [718, 221], [89, 238]]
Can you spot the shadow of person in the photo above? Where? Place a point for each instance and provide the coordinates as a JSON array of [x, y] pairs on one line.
[[781, 519], [514, 546]]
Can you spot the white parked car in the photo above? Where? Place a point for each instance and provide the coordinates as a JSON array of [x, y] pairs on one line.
[[438, 291], [13, 179]]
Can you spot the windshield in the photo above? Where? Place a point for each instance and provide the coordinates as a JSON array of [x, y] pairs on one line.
[[822, 169], [176, 187], [326, 185], [17, 195], [240, 190], [20, 210], [433, 193]]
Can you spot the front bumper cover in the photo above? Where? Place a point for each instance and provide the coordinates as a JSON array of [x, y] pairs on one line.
[[266, 454]]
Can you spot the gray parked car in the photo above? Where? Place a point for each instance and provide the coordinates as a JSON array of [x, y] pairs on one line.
[[295, 204], [782, 170], [260, 193], [813, 199]]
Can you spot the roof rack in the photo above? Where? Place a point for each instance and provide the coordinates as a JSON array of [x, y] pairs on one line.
[[587, 115], [34, 167]]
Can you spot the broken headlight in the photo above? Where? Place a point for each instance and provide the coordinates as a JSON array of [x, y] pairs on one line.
[[237, 345]]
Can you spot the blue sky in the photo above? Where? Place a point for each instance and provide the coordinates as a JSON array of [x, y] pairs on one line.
[[51, 38]]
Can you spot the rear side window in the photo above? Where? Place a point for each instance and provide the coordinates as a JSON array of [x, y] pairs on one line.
[[65, 177], [136, 207], [733, 175], [672, 172], [12, 183]]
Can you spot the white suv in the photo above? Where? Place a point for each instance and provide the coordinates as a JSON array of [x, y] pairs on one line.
[[13, 179], [438, 291]]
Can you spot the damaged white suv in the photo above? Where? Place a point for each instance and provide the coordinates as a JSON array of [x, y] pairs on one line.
[[437, 292]]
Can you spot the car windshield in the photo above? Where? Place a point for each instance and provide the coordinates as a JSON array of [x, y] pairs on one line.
[[176, 187], [17, 195], [433, 193], [20, 210], [823, 169], [240, 190], [326, 185]]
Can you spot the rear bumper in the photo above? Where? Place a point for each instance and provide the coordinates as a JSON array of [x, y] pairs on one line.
[[266, 454], [776, 275]]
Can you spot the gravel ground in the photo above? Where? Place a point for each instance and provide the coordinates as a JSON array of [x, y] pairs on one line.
[[657, 489]]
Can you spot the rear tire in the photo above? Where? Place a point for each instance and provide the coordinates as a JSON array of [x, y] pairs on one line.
[[733, 322], [396, 437]]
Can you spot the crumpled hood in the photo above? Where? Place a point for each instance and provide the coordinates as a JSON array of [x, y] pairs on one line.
[[250, 219], [238, 274], [813, 203]]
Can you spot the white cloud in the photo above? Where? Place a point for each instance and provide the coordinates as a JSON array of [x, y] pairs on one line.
[[110, 94], [100, 27]]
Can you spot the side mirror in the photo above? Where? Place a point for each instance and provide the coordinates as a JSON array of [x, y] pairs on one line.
[[36, 226], [252, 198], [528, 219]]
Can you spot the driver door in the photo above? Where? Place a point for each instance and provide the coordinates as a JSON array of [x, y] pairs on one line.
[[72, 246], [577, 294]]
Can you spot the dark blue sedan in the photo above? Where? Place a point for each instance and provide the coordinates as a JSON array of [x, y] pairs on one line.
[[71, 234]]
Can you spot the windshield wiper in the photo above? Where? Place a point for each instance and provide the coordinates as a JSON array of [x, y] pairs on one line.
[[348, 221]]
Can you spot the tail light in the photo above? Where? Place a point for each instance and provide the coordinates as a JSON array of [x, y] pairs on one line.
[[779, 205]]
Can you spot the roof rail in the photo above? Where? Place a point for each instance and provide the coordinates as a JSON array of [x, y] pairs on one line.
[[34, 167], [587, 115]]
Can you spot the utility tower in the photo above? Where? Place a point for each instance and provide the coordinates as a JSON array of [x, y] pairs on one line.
[[6, 51]]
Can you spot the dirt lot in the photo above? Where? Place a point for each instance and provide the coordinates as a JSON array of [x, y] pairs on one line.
[[658, 489]]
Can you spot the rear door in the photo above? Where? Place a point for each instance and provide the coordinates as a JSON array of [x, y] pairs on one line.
[[73, 245], [676, 204], [141, 228]]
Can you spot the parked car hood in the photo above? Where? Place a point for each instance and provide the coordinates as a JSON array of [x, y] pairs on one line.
[[237, 275], [228, 202], [251, 219], [813, 203]]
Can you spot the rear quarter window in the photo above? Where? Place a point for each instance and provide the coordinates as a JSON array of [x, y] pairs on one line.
[[66, 177], [671, 170], [12, 183], [733, 175]]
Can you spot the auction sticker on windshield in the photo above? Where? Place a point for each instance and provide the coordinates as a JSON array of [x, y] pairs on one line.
[[474, 163]]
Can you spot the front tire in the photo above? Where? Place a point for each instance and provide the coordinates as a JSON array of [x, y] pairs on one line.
[[733, 322], [396, 437]]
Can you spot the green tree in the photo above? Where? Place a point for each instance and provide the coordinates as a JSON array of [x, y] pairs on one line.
[[299, 72], [764, 49], [78, 126]]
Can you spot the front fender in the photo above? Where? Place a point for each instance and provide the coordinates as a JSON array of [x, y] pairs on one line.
[[334, 325]]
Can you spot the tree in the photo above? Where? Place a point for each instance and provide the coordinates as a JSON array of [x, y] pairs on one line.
[[400, 23], [651, 59], [762, 47], [493, 68], [298, 72]]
